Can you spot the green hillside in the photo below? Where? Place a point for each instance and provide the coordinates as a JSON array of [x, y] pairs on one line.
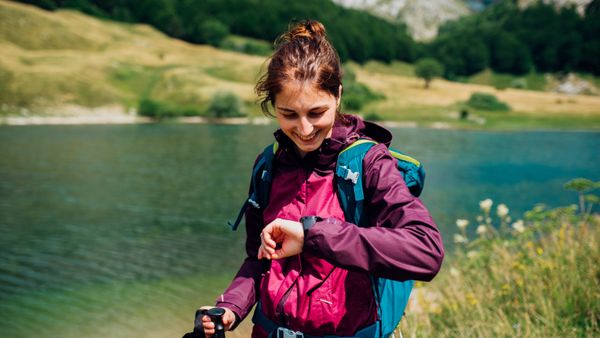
[[51, 59], [67, 63]]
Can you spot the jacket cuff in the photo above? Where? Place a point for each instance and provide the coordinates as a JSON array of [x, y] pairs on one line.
[[236, 311], [313, 238]]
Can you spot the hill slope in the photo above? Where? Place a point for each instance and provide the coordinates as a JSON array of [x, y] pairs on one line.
[[53, 61]]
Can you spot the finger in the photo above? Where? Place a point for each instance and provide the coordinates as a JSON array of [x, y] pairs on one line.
[[268, 240], [208, 326]]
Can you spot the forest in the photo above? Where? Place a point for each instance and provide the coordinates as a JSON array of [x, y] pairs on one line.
[[503, 37]]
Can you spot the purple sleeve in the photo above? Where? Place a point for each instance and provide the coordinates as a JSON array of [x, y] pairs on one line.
[[242, 293], [402, 241]]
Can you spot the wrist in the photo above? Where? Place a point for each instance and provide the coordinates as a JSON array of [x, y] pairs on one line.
[[308, 222]]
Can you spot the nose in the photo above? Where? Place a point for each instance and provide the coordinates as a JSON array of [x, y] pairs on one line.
[[305, 127]]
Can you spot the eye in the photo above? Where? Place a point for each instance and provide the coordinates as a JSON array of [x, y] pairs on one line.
[[288, 115], [316, 113]]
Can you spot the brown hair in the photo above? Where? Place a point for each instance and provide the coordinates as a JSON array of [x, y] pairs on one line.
[[303, 53]]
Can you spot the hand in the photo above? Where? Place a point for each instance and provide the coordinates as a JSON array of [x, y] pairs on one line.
[[289, 234], [209, 327]]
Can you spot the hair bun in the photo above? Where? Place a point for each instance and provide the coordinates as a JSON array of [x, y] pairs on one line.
[[311, 29]]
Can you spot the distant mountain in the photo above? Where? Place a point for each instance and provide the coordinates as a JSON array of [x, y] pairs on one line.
[[579, 4], [423, 18]]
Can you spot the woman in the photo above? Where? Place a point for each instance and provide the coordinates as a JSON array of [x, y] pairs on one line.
[[317, 276]]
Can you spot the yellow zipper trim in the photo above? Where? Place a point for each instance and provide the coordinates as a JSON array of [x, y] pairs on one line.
[[405, 158], [357, 143]]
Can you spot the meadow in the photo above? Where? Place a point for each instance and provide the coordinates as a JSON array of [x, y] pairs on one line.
[[65, 63], [532, 277]]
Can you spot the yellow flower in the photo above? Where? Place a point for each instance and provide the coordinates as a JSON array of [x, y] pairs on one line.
[[471, 299], [539, 251]]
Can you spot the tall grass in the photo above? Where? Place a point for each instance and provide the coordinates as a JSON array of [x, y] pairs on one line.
[[537, 277]]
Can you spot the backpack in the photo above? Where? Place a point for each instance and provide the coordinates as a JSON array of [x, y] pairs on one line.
[[391, 295]]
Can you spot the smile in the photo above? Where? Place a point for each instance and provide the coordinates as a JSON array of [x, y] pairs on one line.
[[308, 138]]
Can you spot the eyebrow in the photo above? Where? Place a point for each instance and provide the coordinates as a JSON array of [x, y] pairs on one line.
[[311, 109]]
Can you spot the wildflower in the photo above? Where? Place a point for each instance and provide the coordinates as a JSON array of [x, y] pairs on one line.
[[472, 299], [519, 226], [502, 210], [481, 230], [459, 238], [486, 204], [462, 223], [454, 272], [480, 219], [540, 251], [472, 254]]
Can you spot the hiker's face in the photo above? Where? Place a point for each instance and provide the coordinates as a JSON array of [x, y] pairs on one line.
[[305, 114]]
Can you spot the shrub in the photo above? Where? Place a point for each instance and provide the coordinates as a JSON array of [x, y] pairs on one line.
[[225, 104], [373, 117], [488, 102], [212, 32], [160, 110], [357, 95], [156, 109], [247, 46]]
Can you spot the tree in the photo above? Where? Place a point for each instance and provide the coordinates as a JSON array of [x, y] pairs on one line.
[[428, 69]]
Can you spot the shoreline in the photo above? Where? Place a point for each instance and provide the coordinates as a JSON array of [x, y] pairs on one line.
[[115, 115]]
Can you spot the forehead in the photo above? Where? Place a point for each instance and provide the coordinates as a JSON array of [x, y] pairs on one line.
[[297, 94]]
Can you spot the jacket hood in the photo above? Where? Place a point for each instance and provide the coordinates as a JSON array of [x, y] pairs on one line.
[[345, 132]]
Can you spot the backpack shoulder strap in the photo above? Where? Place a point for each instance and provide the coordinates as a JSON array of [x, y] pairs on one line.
[[349, 170], [260, 185], [391, 295]]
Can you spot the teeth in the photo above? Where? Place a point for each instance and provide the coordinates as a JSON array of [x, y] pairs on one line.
[[306, 138]]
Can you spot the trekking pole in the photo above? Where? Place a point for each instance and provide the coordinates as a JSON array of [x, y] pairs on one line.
[[216, 316]]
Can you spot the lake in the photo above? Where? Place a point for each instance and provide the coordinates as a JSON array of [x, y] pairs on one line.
[[119, 230]]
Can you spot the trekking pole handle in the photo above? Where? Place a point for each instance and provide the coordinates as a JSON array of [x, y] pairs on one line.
[[216, 315]]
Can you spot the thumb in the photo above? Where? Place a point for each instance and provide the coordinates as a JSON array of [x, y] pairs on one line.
[[228, 318]]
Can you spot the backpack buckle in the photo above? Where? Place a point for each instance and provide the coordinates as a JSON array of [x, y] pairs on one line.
[[282, 332], [350, 175]]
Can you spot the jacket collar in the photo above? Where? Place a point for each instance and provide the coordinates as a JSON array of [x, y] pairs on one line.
[[345, 131]]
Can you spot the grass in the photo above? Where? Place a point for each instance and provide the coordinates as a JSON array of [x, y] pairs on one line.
[[54, 59], [539, 278], [531, 81]]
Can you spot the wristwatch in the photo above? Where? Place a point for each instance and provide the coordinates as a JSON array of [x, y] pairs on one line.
[[309, 221]]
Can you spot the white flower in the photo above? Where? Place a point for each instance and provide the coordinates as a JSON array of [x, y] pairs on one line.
[[454, 272], [502, 210], [486, 204], [481, 229], [519, 226], [480, 219], [459, 239], [462, 223], [472, 254]]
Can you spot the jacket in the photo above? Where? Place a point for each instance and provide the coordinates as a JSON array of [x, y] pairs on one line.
[[326, 289]]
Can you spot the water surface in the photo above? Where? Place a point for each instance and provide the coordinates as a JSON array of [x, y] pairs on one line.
[[114, 231]]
